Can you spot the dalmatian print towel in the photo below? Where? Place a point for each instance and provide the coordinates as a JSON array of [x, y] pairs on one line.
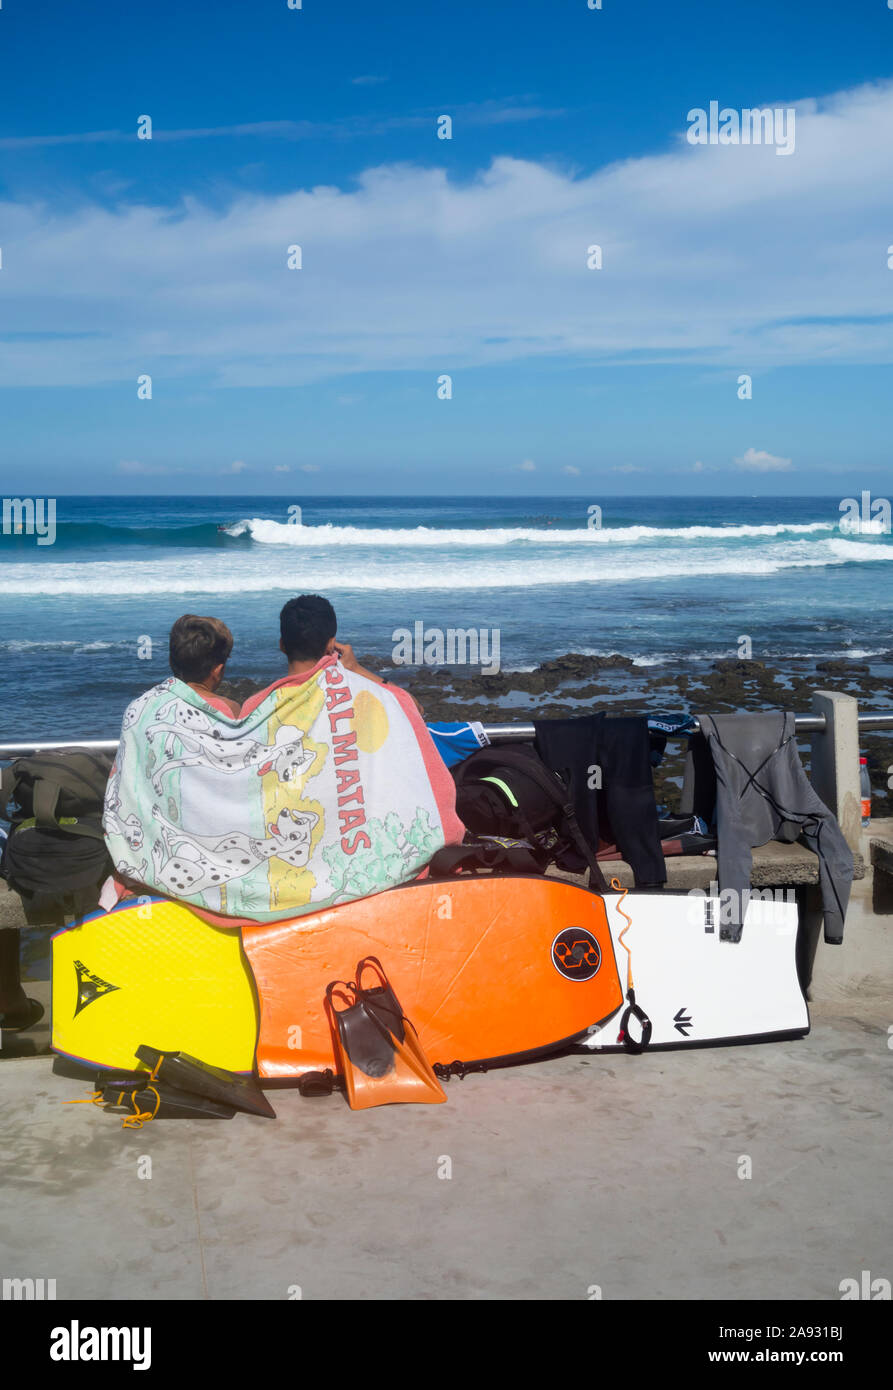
[[327, 790]]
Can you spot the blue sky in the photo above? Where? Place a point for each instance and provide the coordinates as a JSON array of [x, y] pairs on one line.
[[421, 257]]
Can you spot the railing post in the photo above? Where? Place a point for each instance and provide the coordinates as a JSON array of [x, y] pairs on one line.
[[835, 761]]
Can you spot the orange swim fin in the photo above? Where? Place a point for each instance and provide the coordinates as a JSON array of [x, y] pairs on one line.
[[377, 1049]]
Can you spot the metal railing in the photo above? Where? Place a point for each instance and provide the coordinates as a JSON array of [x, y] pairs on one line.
[[804, 723], [497, 733]]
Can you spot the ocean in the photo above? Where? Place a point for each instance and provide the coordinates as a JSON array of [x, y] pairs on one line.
[[666, 581]]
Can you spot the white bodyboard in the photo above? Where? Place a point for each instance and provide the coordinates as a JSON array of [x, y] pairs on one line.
[[697, 989]]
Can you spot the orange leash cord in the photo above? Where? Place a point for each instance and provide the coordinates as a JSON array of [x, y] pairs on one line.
[[139, 1117], [632, 1009]]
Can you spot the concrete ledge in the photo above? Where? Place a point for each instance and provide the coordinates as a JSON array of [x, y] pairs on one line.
[[774, 866]]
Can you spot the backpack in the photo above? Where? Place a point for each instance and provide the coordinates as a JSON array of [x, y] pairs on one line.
[[509, 791], [55, 855]]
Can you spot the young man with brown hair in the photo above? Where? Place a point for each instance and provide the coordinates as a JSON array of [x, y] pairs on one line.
[[199, 650]]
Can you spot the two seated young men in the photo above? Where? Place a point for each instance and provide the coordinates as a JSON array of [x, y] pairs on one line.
[[322, 788]]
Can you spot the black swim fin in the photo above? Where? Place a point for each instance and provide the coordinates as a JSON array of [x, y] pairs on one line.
[[365, 1042], [378, 1052], [120, 1080], [157, 1100], [381, 999], [188, 1073]]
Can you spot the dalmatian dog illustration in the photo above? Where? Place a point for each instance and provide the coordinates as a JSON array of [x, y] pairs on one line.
[[130, 828], [112, 822], [176, 718], [127, 872], [136, 707], [202, 743], [187, 864]]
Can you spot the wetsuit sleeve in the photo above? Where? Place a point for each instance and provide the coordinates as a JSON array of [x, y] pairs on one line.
[[630, 807]]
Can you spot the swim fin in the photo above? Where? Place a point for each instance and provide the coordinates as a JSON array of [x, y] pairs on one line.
[[157, 1100], [376, 1046], [188, 1073], [381, 998]]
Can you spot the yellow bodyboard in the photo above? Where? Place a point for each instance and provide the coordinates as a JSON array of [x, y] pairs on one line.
[[156, 974]]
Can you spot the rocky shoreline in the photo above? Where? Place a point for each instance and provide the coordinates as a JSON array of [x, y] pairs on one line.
[[576, 684]]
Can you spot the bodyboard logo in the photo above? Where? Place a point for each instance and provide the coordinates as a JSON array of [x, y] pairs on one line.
[[90, 987], [576, 954]]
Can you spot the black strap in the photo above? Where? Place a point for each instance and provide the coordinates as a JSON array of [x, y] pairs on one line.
[[596, 877], [445, 1071], [69, 825], [7, 782], [633, 1010], [483, 858], [318, 1083]]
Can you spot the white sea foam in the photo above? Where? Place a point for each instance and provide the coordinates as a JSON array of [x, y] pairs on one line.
[[249, 574], [267, 532], [867, 527], [676, 658], [23, 644], [853, 550]]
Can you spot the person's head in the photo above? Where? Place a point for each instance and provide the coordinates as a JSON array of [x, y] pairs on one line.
[[199, 649], [307, 627]]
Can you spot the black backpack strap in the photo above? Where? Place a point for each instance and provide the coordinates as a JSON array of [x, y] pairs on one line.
[[81, 825], [8, 778], [555, 788], [596, 877], [45, 799], [453, 858]]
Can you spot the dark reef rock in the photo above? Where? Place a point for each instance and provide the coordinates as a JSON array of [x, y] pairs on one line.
[[845, 667], [241, 688]]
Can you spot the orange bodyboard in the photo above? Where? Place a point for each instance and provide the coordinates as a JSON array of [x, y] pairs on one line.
[[486, 968]]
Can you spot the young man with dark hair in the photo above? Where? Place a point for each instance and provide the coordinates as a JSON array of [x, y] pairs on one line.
[[307, 627], [199, 650]]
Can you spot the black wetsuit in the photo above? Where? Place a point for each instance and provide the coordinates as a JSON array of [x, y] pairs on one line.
[[622, 809]]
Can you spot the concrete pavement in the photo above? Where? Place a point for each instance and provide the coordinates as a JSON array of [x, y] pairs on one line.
[[617, 1173]]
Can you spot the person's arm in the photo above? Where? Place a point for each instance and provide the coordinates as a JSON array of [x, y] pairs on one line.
[[350, 663]]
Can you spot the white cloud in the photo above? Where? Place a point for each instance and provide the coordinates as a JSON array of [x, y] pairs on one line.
[[528, 466], [282, 468], [309, 468], [712, 255], [627, 468], [569, 468], [368, 81], [758, 461], [237, 467], [494, 111]]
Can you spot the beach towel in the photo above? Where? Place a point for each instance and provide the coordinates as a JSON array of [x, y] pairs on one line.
[[326, 788]]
